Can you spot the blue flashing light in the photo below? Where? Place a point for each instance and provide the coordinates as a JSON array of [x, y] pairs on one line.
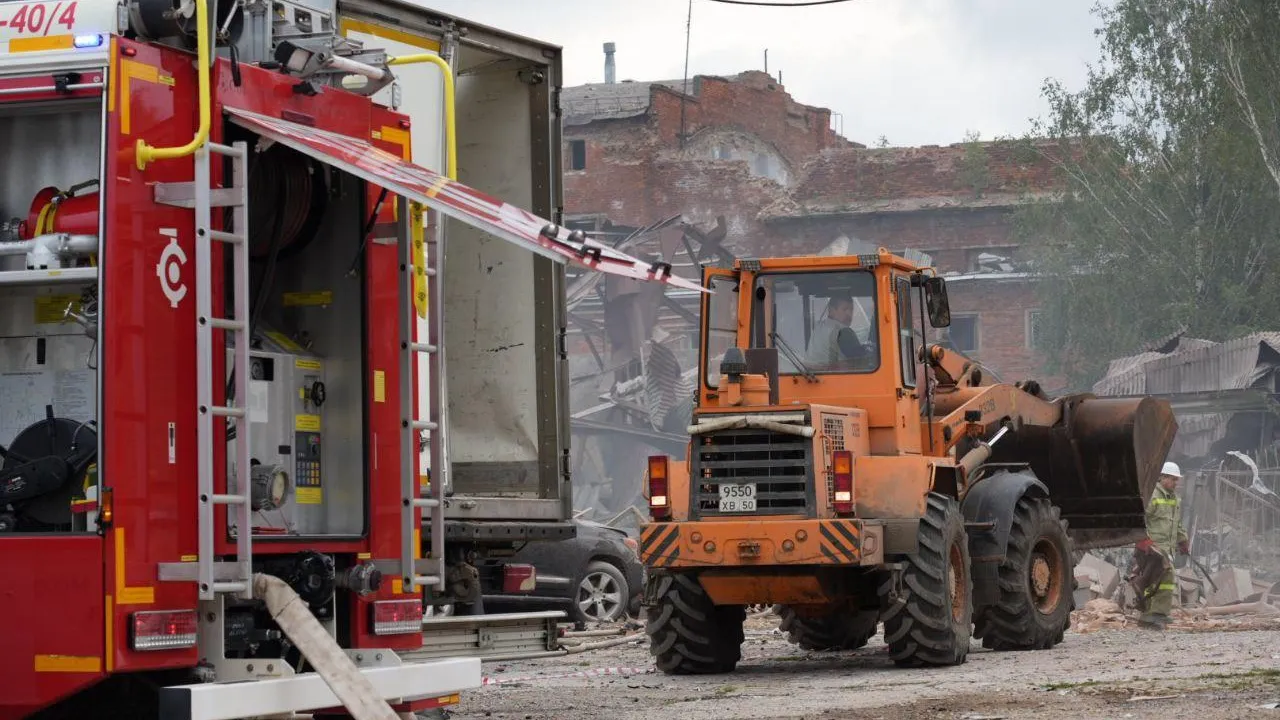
[[88, 41]]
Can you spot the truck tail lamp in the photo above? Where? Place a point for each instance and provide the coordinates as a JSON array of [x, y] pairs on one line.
[[397, 617], [163, 630], [842, 481], [519, 578], [659, 499]]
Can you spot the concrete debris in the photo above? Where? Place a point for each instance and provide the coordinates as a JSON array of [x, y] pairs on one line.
[[1234, 585], [1257, 607], [1104, 576]]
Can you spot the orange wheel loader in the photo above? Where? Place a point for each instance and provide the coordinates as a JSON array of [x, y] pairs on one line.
[[848, 473]]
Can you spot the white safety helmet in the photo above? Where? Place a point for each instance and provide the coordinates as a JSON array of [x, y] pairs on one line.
[[1172, 469]]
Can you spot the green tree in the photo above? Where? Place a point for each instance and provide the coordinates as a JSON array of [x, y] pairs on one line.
[[1170, 162]]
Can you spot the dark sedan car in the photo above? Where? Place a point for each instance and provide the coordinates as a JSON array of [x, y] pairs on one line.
[[594, 577]]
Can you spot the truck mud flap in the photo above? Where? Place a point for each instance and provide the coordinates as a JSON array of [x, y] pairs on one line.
[[1100, 463]]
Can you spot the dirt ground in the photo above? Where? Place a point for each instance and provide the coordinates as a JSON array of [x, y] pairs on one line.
[[1108, 673]]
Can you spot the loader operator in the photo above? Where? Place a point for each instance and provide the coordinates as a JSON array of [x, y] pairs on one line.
[[834, 345], [1153, 558]]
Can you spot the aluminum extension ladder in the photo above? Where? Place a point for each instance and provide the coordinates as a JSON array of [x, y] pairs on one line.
[[422, 260], [214, 577]]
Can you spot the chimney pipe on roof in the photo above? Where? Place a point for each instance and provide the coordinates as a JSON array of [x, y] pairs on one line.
[[608, 62]]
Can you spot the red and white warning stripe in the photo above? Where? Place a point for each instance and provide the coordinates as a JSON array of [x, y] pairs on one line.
[[598, 672]]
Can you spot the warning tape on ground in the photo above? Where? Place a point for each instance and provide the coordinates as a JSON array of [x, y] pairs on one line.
[[598, 672]]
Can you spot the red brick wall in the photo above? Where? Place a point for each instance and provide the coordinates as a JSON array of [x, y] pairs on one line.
[[947, 235], [752, 103], [1001, 306], [843, 176], [635, 174]]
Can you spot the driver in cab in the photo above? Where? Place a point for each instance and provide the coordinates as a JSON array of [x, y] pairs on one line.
[[834, 345]]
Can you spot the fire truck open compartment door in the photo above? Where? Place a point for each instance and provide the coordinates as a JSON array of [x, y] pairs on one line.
[[503, 312]]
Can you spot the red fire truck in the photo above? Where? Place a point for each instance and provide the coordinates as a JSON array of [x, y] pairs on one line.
[[222, 356]]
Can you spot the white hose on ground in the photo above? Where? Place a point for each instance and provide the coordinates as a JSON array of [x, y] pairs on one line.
[[353, 689]]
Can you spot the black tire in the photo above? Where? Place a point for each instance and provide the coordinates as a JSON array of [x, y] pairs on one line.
[[688, 634], [934, 624], [603, 589], [1036, 582], [841, 629]]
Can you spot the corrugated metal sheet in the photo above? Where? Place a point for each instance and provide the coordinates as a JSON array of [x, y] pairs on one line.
[[1197, 365], [1232, 365]]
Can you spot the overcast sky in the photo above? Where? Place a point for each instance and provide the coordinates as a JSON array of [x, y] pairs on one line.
[[914, 71]]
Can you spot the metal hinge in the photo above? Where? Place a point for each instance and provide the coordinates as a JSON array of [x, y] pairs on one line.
[[562, 346]]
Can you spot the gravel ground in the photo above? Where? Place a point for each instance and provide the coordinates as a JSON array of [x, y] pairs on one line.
[[1125, 673]]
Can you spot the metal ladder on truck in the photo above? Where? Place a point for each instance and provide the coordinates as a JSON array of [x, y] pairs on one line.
[[421, 278], [214, 578]]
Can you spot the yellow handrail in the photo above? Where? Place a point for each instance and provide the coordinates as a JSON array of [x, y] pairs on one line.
[[146, 153], [450, 127]]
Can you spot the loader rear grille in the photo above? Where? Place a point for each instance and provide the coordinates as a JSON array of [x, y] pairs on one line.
[[780, 466]]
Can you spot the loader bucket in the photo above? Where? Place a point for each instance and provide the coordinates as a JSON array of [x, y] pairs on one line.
[[1100, 463]]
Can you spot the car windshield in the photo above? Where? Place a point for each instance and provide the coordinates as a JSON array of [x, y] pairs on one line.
[[821, 322]]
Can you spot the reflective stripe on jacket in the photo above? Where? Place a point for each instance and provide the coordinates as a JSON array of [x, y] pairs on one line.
[[1164, 520]]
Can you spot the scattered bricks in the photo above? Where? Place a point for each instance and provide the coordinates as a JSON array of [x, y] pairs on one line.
[[1234, 585]]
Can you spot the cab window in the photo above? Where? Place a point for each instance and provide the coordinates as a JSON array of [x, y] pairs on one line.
[[820, 322], [906, 332], [722, 325]]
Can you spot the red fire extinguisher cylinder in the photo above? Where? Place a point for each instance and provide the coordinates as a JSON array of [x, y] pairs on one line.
[[75, 215]]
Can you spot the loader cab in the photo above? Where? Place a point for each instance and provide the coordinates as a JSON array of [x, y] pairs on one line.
[[843, 331]]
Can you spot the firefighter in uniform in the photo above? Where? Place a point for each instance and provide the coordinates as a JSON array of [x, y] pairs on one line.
[[1154, 579]]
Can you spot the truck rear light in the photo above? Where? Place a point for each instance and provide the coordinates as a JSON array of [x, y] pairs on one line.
[[397, 617], [518, 578], [163, 630], [842, 481], [659, 501]]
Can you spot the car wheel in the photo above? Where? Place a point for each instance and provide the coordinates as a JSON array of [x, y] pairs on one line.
[[602, 594]]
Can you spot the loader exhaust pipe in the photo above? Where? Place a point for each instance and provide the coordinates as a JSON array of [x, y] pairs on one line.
[[290, 612]]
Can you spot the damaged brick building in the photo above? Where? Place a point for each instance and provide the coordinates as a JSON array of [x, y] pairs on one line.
[[737, 167], [740, 153]]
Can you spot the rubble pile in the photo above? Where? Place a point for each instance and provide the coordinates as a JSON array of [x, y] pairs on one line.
[[1232, 599]]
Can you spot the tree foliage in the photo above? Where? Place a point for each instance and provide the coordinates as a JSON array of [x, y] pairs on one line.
[[1170, 161]]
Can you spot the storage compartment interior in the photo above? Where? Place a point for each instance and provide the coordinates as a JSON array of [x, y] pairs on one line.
[[48, 320], [305, 403]]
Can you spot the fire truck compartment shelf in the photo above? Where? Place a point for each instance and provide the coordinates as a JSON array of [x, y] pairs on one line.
[[48, 277], [489, 637], [227, 701]]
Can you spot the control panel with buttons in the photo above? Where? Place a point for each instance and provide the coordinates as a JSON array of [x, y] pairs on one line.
[[307, 459]]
